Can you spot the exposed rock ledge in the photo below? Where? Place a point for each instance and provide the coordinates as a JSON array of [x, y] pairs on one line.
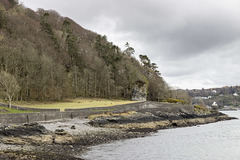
[[153, 120]]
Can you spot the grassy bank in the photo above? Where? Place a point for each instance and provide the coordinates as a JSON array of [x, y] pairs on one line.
[[73, 103], [4, 110]]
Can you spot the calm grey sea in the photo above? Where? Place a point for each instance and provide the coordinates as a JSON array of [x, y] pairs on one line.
[[216, 141]]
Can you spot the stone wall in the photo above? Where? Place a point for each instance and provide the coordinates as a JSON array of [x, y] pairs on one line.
[[118, 108]]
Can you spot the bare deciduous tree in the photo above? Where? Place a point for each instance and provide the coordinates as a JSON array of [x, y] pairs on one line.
[[8, 86]]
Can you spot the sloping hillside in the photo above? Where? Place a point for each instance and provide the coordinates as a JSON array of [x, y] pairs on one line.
[[50, 57]]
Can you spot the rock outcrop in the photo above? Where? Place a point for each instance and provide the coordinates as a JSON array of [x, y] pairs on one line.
[[152, 119], [139, 92]]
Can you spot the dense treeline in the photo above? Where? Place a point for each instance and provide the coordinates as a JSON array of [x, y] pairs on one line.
[[52, 57]]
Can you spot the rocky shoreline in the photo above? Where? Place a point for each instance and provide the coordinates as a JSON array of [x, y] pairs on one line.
[[68, 139], [34, 141]]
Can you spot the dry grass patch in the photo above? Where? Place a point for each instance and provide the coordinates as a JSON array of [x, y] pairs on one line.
[[74, 103]]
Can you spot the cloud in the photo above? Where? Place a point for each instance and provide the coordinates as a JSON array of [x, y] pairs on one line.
[[194, 43]]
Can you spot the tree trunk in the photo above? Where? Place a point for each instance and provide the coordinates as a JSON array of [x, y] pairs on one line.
[[95, 85], [10, 101]]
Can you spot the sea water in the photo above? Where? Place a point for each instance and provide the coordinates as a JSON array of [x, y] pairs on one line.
[[215, 141]]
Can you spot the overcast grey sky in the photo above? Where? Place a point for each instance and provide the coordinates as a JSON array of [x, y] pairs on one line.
[[196, 44]]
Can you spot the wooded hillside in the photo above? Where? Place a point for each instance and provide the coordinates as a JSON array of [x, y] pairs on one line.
[[50, 57], [225, 96]]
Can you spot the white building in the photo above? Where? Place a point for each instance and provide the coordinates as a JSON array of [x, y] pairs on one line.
[[214, 91], [214, 104], [235, 94]]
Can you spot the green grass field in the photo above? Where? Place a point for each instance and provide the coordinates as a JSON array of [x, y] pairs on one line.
[[4, 110], [74, 103]]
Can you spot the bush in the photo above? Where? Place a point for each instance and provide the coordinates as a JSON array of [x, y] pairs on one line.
[[172, 100]]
